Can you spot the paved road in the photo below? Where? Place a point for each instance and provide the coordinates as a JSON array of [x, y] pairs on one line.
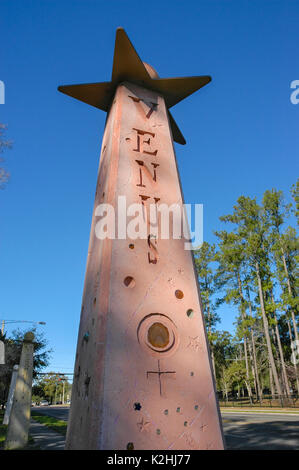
[[58, 412], [241, 430], [261, 431]]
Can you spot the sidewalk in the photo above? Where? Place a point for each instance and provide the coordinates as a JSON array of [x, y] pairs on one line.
[[45, 438], [268, 410]]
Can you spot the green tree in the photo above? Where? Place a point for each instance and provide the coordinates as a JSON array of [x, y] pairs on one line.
[[204, 259], [237, 375], [295, 194], [225, 382], [53, 386], [283, 246], [284, 249], [13, 348], [231, 274], [224, 350], [251, 228]]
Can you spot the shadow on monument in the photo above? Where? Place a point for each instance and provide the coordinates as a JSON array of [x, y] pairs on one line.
[[135, 405]]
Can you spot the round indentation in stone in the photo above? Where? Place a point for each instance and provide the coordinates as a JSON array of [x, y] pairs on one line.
[[196, 407], [178, 410], [158, 335], [158, 431], [186, 423], [130, 446], [129, 281], [137, 406], [179, 294], [166, 412], [86, 336], [131, 246], [192, 374], [190, 313]]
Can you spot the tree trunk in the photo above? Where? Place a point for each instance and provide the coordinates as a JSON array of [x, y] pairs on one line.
[[284, 373], [295, 365], [244, 338], [271, 382], [259, 388], [289, 290], [253, 371], [266, 330], [213, 362]]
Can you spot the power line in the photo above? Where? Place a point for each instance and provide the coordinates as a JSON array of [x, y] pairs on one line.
[[54, 373]]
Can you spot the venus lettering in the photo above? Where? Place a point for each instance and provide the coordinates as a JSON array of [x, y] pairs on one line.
[[140, 142], [151, 105]]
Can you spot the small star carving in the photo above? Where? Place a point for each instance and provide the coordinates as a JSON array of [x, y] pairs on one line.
[[171, 281], [203, 426], [209, 445], [194, 344], [190, 440], [143, 425]]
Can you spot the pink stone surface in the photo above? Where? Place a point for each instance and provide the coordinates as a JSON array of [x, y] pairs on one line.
[[126, 391]]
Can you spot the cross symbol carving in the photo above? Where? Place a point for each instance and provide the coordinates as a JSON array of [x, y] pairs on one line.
[[161, 374]]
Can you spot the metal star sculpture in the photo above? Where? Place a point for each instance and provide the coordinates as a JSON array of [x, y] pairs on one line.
[[127, 66]]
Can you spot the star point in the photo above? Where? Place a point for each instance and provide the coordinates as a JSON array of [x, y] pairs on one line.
[[194, 343], [143, 425], [127, 66]]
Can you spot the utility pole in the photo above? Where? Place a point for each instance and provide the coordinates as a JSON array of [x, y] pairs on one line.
[[20, 321], [63, 384]]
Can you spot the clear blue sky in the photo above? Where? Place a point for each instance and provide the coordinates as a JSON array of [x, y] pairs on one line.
[[242, 131]]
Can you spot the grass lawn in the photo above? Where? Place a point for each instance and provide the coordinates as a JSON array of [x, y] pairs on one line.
[[56, 425]]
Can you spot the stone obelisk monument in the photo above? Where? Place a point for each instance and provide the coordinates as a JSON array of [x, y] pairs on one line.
[[11, 394], [143, 377], [18, 427]]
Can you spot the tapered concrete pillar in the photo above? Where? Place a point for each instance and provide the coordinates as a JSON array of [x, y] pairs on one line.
[[143, 376], [2, 352], [18, 427], [11, 394]]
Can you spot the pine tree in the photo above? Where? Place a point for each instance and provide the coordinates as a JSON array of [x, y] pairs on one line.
[[295, 194], [284, 248], [230, 274], [251, 228], [204, 259]]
